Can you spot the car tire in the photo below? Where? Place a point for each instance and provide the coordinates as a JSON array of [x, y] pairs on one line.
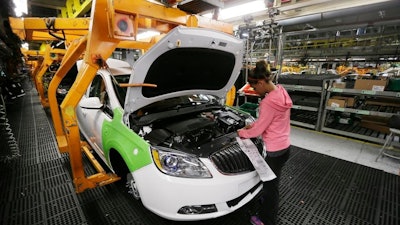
[[127, 181], [131, 186]]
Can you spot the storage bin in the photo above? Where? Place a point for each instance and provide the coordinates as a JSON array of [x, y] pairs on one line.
[[394, 84], [250, 108]]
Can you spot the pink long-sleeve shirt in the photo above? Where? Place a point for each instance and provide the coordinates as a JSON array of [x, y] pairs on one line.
[[273, 122]]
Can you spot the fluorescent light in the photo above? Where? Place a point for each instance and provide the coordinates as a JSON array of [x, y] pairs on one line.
[[25, 45], [240, 10], [21, 7]]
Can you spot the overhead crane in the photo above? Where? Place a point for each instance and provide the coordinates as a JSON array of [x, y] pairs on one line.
[[54, 29], [62, 29], [45, 30], [68, 29], [113, 24]]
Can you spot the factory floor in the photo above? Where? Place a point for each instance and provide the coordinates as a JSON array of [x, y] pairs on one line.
[[328, 180], [348, 149]]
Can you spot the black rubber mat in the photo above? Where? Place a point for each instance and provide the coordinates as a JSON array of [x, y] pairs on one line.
[[37, 188]]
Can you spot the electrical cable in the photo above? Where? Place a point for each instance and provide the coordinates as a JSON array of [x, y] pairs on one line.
[[11, 150], [50, 24]]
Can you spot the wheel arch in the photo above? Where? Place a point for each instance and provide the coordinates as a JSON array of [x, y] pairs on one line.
[[118, 163], [118, 138]]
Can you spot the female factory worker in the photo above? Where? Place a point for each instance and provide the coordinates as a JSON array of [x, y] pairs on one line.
[[273, 124]]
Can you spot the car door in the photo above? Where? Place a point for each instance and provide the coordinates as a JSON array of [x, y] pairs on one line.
[[91, 118]]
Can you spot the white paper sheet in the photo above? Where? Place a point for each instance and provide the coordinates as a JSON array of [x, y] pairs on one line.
[[262, 168]]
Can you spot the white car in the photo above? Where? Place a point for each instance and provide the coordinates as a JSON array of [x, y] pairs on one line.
[[174, 144]]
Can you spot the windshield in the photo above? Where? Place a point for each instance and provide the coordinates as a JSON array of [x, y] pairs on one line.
[[120, 91]]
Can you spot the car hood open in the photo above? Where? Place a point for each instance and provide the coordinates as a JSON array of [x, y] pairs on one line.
[[185, 61]]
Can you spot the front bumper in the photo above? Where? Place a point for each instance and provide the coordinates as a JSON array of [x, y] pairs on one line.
[[166, 195]]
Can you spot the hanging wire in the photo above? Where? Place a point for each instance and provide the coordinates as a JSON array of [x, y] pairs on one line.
[[7, 139], [50, 24]]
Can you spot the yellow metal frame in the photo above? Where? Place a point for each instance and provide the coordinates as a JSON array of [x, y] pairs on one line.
[[37, 29], [40, 67], [33, 59], [34, 66], [97, 45], [50, 56]]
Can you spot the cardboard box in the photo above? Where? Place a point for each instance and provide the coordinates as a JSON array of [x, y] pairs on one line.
[[340, 85], [341, 103], [348, 101], [384, 102], [375, 85], [376, 123]]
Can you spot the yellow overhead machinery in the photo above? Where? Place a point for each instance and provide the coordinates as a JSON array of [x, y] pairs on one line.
[[49, 57], [45, 30], [113, 24]]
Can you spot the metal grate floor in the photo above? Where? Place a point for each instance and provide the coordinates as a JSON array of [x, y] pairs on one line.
[[316, 189]]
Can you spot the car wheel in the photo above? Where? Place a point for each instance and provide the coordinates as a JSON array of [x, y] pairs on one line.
[[131, 185], [127, 182]]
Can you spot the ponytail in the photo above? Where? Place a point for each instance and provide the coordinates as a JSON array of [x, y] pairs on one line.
[[260, 72]]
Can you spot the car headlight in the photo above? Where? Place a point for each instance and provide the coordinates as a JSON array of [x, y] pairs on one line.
[[179, 164]]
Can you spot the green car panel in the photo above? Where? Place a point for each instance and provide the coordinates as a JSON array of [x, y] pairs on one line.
[[132, 148]]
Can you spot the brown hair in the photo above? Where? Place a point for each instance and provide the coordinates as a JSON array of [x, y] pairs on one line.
[[260, 72]]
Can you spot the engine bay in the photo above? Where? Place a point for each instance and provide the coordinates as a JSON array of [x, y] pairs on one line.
[[199, 133]]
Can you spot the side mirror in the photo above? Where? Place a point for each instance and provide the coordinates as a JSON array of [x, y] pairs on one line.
[[91, 103]]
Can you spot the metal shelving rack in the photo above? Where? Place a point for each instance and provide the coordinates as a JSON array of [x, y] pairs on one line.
[[355, 130], [308, 116]]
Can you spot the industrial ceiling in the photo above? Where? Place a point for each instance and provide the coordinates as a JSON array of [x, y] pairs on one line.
[[291, 13], [297, 19]]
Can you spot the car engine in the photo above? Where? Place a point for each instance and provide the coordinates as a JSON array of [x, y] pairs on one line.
[[199, 133]]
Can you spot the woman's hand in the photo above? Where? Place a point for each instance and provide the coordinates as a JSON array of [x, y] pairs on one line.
[[247, 127]]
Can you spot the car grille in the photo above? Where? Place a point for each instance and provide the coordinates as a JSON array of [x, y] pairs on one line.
[[232, 159]]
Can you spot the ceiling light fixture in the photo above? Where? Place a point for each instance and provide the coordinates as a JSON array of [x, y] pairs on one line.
[[240, 10], [21, 7]]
